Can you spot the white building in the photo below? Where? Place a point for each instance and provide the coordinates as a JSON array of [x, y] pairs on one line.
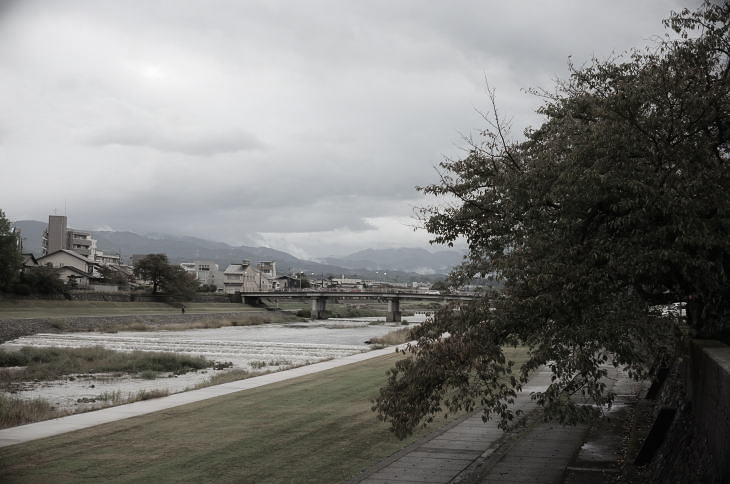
[[347, 282], [107, 259], [244, 277], [72, 267], [268, 268], [206, 273]]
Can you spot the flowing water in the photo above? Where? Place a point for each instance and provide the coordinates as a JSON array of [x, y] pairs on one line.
[[266, 347]]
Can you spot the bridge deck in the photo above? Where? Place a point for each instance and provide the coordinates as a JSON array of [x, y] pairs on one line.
[[358, 294]]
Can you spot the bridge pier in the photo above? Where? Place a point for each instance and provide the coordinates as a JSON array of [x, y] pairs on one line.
[[254, 301], [393, 315], [319, 305]]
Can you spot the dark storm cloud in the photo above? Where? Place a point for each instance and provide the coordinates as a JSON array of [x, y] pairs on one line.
[[305, 124]]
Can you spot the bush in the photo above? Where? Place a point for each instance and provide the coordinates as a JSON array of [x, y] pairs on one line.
[[21, 289], [41, 280]]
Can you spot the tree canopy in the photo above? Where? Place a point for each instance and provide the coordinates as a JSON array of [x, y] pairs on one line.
[[618, 204], [153, 268], [10, 258], [172, 279]]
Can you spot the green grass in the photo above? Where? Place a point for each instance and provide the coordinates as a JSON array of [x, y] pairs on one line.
[[317, 428], [53, 363], [60, 309]]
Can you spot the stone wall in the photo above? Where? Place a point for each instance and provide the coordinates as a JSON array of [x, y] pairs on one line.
[[15, 328], [709, 387], [78, 295]]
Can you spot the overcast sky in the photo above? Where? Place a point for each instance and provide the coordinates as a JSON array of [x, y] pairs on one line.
[[299, 125]]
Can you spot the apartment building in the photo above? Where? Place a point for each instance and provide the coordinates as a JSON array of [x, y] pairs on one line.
[[244, 277], [206, 273], [58, 236]]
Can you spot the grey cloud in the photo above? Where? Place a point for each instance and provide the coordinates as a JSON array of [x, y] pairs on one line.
[[189, 142], [299, 117]]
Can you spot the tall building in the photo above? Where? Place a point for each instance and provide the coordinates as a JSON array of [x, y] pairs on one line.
[[58, 236], [267, 268], [54, 237]]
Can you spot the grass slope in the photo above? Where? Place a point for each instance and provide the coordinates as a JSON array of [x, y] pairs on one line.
[[59, 309], [317, 428]]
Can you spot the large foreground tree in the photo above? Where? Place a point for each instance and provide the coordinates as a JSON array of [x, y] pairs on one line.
[[617, 205]]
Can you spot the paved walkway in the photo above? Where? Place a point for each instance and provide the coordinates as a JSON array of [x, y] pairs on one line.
[[47, 428], [472, 451], [454, 452]]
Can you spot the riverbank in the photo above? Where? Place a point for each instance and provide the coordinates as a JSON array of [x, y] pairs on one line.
[[316, 428], [13, 328], [235, 351]]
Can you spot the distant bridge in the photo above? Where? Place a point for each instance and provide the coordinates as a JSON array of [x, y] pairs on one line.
[[319, 298]]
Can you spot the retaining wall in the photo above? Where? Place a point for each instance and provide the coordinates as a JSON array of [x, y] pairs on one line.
[[709, 386], [15, 328]]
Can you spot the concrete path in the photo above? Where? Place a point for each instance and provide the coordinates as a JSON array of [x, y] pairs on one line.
[[472, 451], [548, 452], [597, 461], [47, 428], [454, 453]]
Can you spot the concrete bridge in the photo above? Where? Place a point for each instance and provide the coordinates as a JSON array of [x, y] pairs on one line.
[[319, 299]]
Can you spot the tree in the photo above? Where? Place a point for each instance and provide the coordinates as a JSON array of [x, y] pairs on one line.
[[440, 286], [40, 280], [153, 268], [302, 281], [617, 204], [172, 279], [114, 276], [179, 283], [10, 259]]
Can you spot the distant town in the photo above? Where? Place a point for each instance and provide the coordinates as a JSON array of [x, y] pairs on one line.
[[81, 264]]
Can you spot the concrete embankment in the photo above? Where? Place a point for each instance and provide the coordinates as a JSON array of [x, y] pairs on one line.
[[709, 385], [15, 328]]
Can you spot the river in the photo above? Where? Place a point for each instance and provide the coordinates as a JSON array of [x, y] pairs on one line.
[[266, 347]]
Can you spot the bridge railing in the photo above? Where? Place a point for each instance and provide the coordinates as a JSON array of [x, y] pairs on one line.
[[353, 291]]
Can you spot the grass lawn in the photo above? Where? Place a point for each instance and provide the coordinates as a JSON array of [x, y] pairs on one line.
[[317, 428], [59, 309]]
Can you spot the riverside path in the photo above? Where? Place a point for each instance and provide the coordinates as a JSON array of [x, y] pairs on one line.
[[473, 451]]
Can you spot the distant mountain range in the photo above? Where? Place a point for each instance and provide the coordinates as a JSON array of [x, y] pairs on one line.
[[420, 261], [400, 264]]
